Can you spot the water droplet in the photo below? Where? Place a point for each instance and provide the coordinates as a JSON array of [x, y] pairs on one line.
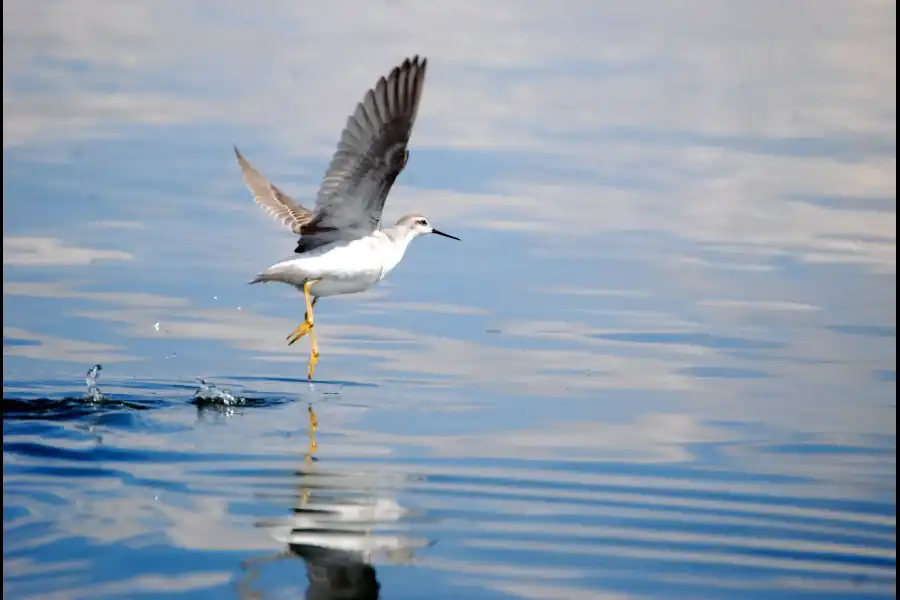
[[210, 393], [90, 379]]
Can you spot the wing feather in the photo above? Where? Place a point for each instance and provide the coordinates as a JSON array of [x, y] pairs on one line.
[[276, 203], [370, 155]]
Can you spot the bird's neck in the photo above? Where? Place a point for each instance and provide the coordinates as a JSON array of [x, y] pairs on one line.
[[400, 239]]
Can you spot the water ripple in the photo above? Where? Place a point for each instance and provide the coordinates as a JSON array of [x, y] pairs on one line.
[[349, 517]]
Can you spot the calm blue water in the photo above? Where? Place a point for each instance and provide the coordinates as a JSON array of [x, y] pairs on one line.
[[660, 364]]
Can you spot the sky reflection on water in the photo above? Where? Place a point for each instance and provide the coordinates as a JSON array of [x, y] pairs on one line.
[[665, 346]]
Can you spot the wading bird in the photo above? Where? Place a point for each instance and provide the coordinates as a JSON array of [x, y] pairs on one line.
[[342, 247]]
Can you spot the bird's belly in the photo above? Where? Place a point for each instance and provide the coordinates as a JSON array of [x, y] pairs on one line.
[[350, 283], [343, 269]]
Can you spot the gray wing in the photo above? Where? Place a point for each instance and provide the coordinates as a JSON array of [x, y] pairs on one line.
[[279, 205], [369, 157]]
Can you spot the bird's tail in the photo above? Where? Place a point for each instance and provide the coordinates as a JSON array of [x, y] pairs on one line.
[[283, 272], [263, 278]]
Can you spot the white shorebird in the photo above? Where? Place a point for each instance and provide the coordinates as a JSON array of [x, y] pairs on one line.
[[342, 249]]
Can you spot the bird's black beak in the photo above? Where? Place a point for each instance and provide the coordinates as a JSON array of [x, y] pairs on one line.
[[446, 235]]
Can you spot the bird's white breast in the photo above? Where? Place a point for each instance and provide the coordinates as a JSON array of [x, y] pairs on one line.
[[393, 254]]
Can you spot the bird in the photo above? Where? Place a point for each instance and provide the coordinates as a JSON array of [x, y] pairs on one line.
[[342, 248]]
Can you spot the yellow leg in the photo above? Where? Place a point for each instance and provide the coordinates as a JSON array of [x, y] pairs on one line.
[[314, 350], [313, 354], [304, 327]]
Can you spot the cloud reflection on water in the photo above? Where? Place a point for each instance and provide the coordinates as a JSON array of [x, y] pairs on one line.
[[680, 227], [667, 127]]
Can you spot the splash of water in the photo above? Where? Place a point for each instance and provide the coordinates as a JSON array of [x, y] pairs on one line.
[[209, 392], [93, 393]]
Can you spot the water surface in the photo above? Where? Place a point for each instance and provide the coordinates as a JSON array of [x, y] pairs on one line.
[[660, 364]]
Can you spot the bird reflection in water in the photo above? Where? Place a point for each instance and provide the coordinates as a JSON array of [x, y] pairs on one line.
[[332, 529]]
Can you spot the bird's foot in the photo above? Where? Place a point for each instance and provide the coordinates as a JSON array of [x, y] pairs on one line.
[[301, 330]]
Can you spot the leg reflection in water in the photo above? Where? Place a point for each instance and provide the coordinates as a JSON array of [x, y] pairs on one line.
[[329, 531]]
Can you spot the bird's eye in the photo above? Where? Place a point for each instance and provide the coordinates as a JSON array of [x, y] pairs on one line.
[[423, 222]]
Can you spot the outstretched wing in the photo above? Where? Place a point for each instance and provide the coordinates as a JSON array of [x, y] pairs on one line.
[[369, 157], [279, 205]]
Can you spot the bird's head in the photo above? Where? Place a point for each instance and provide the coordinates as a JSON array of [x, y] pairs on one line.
[[418, 225]]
